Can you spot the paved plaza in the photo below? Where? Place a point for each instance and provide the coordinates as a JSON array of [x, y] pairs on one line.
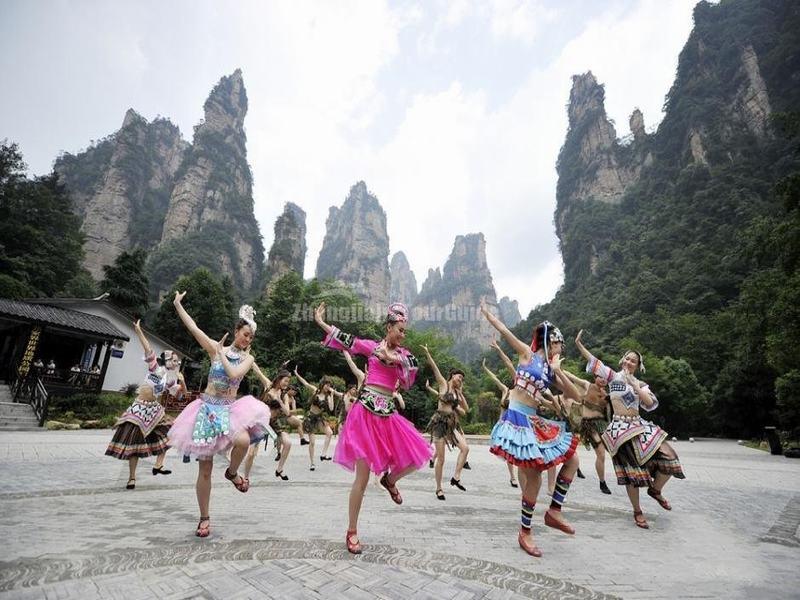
[[69, 529]]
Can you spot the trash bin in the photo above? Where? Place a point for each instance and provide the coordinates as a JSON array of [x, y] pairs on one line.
[[773, 440]]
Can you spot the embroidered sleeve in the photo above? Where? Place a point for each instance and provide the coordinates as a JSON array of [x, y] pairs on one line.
[[150, 360], [646, 388], [339, 340], [598, 369]]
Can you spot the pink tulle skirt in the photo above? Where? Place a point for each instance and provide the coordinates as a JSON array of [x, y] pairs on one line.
[[387, 443], [208, 425]]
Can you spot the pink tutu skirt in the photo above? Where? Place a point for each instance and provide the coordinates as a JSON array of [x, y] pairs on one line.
[[389, 443], [208, 425]]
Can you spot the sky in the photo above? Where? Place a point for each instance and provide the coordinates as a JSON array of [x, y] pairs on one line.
[[452, 112]]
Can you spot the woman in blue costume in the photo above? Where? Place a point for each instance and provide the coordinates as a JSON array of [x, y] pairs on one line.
[[218, 421], [523, 438]]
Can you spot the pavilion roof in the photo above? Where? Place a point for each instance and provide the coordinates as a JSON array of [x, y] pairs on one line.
[[61, 318]]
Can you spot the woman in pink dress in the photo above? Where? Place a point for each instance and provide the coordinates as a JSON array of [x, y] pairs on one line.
[[375, 437]]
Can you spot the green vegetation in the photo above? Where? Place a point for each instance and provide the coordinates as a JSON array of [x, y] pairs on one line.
[[126, 282]]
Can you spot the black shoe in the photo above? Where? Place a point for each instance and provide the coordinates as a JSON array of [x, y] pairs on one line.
[[604, 488], [187, 458], [161, 471], [278, 457], [467, 467], [430, 464], [131, 484], [580, 475], [440, 495], [321, 458], [281, 475], [513, 483], [457, 483], [304, 442]]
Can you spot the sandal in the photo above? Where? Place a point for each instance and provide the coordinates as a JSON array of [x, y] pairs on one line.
[[312, 467], [281, 475], [656, 495], [243, 484], [161, 471], [130, 485], [640, 522], [457, 483], [440, 494], [514, 484], [393, 491], [203, 531], [352, 548]]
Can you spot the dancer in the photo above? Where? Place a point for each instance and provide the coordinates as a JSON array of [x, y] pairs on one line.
[[639, 450], [594, 407], [443, 423], [504, 392], [217, 420], [533, 444], [142, 429], [375, 437], [322, 401], [279, 396]]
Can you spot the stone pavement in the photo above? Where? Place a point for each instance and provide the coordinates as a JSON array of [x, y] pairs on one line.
[[71, 530]]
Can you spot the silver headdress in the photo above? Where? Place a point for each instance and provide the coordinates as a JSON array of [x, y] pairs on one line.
[[246, 313]]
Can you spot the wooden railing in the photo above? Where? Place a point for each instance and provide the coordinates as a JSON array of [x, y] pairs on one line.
[[31, 389]]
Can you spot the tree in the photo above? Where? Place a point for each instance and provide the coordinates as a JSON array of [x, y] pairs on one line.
[[41, 246], [126, 282], [209, 303]]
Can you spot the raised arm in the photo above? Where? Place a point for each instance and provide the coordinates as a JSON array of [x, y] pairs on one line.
[[137, 327], [313, 388], [398, 398], [503, 387], [430, 389], [265, 381], [359, 374], [319, 317], [581, 383], [504, 357], [519, 347], [206, 342], [233, 371], [581, 348], [440, 380]]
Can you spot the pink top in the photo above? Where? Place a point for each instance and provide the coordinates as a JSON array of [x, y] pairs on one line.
[[381, 373]]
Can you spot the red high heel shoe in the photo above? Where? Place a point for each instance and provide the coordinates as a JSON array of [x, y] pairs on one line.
[[551, 521], [352, 548], [531, 549]]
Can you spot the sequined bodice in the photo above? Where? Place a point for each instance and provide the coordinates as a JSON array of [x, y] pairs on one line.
[[534, 376], [218, 378]]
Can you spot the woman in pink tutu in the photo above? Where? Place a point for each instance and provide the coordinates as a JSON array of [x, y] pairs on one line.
[[375, 437], [217, 420]]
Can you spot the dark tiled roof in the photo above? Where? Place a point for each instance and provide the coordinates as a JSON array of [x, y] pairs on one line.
[[62, 318]]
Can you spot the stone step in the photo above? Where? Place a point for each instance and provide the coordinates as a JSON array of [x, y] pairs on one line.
[[15, 408], [18, 418], [20, 428]]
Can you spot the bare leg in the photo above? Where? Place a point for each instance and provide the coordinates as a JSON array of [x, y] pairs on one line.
[[311, 437], [160, 459], [240, 444], [203, 485], [286, 447], [393, 478], [463, 451], [511, 475], [357, 495], [328, 436], [522, 475], [132, 462], [438, 465], [600, 461], [633, 495], [551, 480], [250, 459]]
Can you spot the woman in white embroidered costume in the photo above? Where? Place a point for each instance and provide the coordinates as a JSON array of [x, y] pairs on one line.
[[375, 437], [638, 448], [141, 431], [217, 420]]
